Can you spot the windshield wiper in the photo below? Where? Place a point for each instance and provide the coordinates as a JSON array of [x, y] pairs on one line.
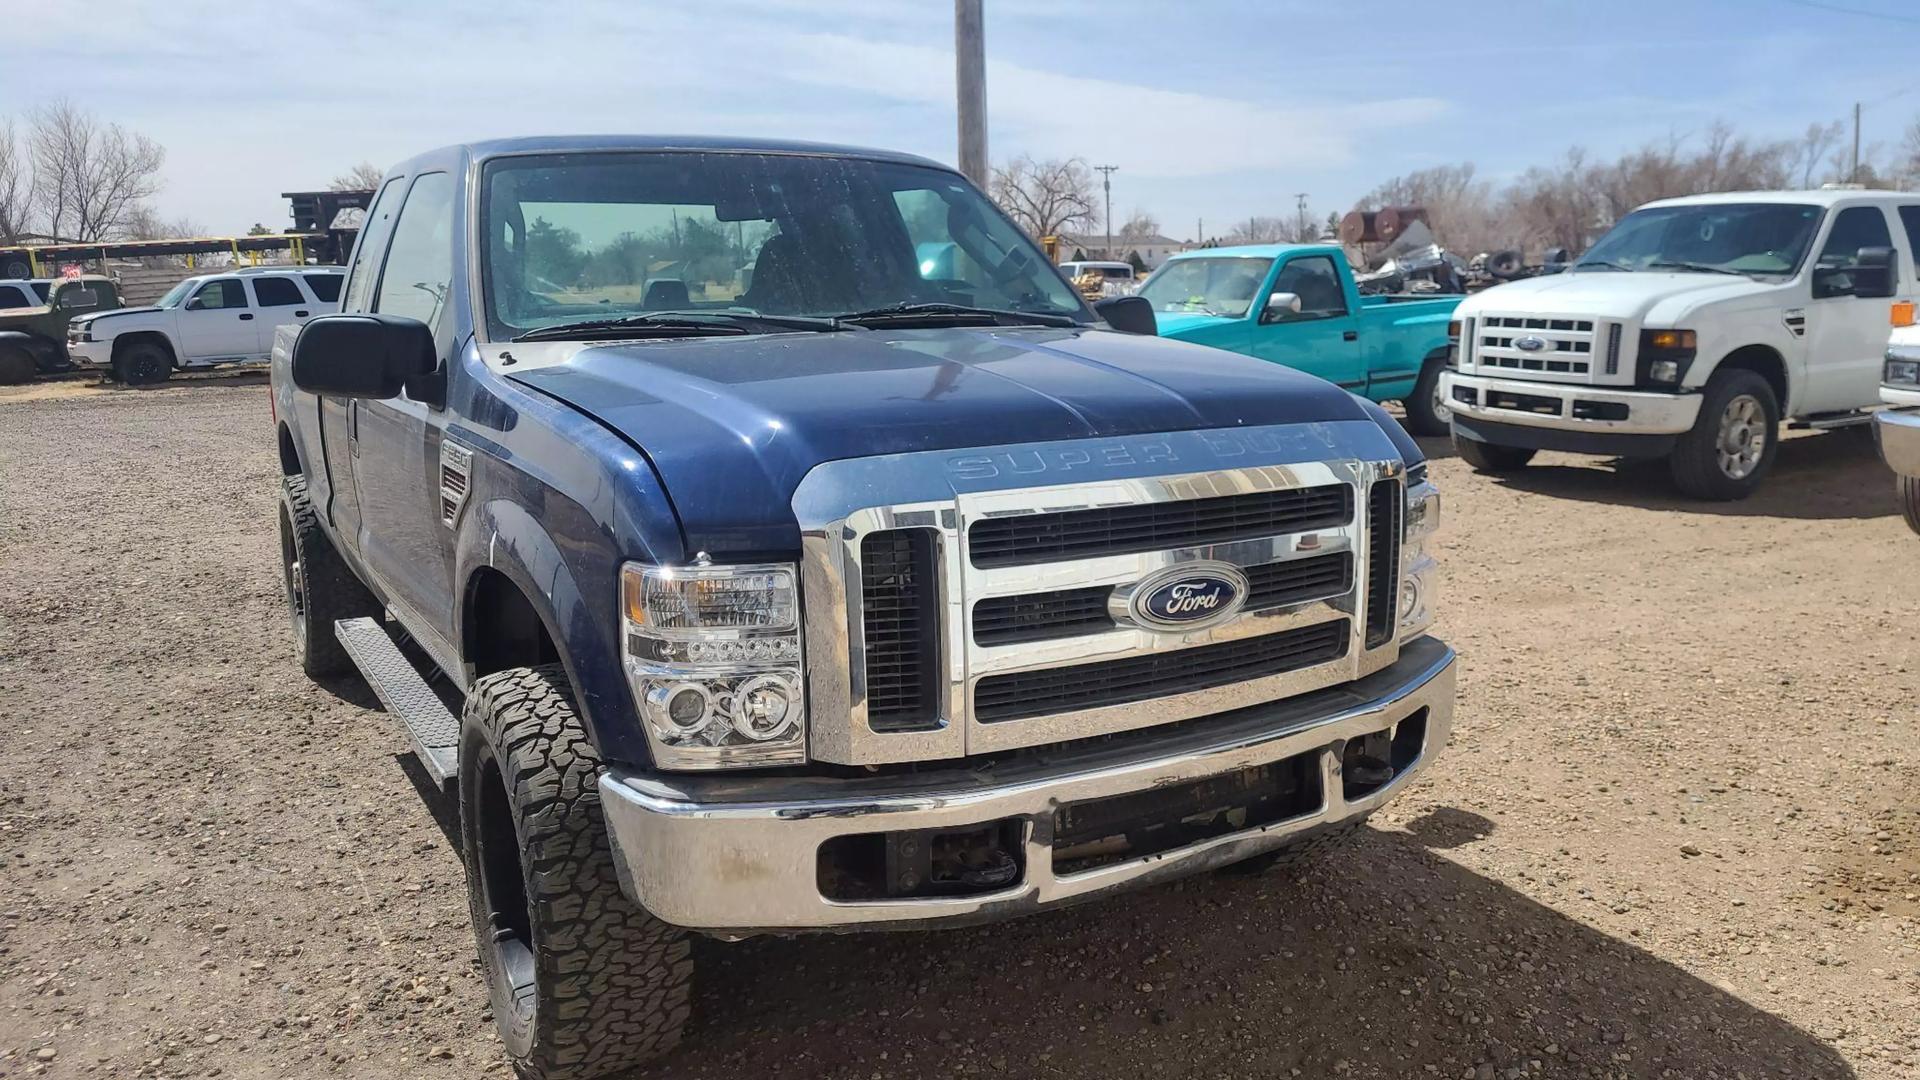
[[1698, 268], [679, 324], [912, 312], [1600, 264]]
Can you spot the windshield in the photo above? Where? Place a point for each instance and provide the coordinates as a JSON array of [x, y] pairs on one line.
[[1207, 286], [1736, 238], [573, 237], [178, 294]]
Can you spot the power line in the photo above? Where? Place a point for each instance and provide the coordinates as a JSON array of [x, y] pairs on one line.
[[1842, 9]]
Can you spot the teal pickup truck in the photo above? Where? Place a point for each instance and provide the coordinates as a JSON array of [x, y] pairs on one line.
[[1296, 304]]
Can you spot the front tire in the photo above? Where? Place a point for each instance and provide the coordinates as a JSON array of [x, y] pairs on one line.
[[320, 588], [1427, 412], [1907, 489], [1491, 458], [583, 981], [143, 364], [1732, 444]]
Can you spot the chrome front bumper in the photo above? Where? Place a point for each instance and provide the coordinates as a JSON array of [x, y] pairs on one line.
[[1898, 432], [739, 856], [1647, 413]]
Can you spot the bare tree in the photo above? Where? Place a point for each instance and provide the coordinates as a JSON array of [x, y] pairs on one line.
[[1260, 230], [365, 176], [1905, 171], [1812, 149], [89, 177], [1046, 198], [1459, 205], [16, 186], [144, 224], [1138, 226]]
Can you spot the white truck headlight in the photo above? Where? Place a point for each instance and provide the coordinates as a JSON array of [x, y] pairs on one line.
[[1903, 368], [1417, 568], [714, 658]]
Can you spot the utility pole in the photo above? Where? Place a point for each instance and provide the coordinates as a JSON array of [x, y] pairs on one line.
[[1853, 174], [1106, 182], [970, 84], [1300, 202]]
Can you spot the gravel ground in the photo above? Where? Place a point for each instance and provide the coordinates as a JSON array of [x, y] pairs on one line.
[[1675, 837]]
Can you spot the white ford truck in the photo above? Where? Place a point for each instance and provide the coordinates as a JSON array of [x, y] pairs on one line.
[[1899, 425], [1689, 331]]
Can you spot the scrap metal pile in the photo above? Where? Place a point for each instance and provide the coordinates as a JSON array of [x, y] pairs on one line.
[[1393, 250]]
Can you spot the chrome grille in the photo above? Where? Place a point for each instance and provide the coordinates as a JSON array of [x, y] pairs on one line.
[[1386, 503], [1118, 682], [900, 623], [1079, 534], [1561, 346]]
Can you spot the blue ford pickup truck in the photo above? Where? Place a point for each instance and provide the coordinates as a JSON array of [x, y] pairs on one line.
[[1297, 305], [744, 572]]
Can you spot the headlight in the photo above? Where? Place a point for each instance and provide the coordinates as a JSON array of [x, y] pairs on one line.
[[1665, 356], [713, 654], [1903, 368], [1417, 568]]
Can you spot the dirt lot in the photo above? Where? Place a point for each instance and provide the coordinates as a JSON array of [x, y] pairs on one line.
[[1678, 834]]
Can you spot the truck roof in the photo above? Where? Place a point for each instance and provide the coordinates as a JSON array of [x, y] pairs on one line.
[[1810, 197], [1259, 251], [490, 148]]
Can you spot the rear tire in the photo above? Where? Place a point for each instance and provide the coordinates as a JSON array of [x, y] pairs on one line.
[[1907, 489], [320, 589], [143, 364], [16, 365], [1490, 457], [1427, 414], [583, 982], [1732, 444]]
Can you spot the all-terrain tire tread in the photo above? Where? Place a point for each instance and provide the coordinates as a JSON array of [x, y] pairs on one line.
[[615, 984], [1908, 489]]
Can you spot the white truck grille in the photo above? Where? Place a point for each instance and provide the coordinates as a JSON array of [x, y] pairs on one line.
[[1552, 346]]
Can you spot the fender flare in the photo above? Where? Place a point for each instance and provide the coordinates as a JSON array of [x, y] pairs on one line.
[[42, 350]]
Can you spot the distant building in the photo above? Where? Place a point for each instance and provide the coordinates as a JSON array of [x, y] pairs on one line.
[[1154, 249]]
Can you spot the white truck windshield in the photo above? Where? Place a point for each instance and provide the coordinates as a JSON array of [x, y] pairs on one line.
[[1760, 239]]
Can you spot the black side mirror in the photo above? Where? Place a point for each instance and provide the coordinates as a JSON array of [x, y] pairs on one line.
[[362, 356], [1875, 274], [1128, 314], [196, 304]]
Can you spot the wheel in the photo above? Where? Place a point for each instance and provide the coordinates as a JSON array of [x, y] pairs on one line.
[[1732, 444], [1298, 852], [320, 588], [143, 364], [1907, 488], [16, 365], [1427, 412], [583, 981], [1490, 457]]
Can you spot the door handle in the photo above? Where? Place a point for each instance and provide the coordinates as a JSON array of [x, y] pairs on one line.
[[246, 317], [1351, 335], [301, 314]]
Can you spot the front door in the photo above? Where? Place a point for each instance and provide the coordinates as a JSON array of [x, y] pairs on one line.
[[218, 323], [1846, 335], [404, 535], [1323, 337]]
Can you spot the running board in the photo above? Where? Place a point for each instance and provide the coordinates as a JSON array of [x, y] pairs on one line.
[[434, 731], [1829, 421]]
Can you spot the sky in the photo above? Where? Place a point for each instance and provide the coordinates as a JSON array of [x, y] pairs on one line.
[[1214, 111]]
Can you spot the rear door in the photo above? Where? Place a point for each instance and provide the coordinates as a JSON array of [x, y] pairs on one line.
[[217, 322], [1323, 337], [1846, 335], [281, 301]]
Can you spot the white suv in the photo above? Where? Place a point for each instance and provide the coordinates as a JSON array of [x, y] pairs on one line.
[[1689, 331], [203, 321]]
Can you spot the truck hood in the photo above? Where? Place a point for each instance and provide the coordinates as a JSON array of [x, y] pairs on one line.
[[732, 425], [86, 319], [1601, 293], [1175, 323]]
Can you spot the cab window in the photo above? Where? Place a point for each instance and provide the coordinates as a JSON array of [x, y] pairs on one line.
[[373, 240], [13, 296], [326, 287], [1856, 227], [218, 295], [419, 270], [78, 297], [1316, 282], [277, 292]]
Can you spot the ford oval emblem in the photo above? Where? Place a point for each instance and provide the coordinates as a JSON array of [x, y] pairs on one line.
[[1188, 597], [1529, 343]]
